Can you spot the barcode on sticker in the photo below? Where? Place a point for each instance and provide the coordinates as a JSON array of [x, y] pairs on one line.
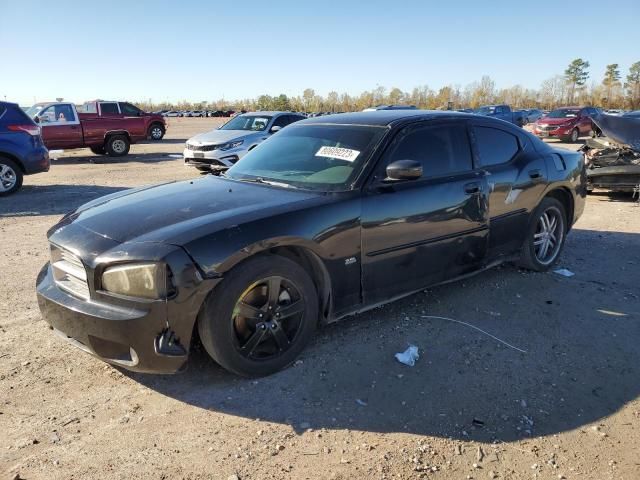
[[337, 152]]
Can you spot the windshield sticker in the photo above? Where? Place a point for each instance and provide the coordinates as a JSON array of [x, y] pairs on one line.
[[337, 152]]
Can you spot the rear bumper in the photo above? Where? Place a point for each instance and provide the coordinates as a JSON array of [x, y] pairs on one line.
[[36, 161], [122, 336]]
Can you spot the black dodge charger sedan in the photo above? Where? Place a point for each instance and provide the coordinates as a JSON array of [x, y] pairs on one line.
[[329, 217]]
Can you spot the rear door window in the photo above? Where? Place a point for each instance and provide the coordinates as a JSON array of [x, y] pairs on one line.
[[495, 146], [110, 108], [131, 110]]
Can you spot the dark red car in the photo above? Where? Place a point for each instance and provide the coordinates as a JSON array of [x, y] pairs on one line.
[[566, 123], [104, 127]]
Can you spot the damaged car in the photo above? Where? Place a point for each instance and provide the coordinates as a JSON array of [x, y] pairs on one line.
[[613, 160], [332, 216]]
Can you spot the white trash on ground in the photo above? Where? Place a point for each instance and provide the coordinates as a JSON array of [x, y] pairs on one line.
[[409, 356], [564, 272]]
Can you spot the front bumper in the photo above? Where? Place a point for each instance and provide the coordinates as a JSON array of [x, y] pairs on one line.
[[213, 158], [555, 133], [616, 178], [126, 336]]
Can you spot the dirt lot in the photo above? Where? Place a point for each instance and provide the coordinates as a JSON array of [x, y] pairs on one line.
[[472, 407]]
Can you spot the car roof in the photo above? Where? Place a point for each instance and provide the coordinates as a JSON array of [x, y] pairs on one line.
[[386, 117], [9, 104], [270, 112]]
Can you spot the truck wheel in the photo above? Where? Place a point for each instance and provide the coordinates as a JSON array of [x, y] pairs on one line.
[[10, 176], [117, 145], [156, 132], [98, 150]]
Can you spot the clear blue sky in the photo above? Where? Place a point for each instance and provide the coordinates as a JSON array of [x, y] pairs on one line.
[[206, 50]]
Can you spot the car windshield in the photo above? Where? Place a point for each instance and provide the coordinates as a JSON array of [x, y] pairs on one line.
[[564, 113], [311, 157], [255, 123]]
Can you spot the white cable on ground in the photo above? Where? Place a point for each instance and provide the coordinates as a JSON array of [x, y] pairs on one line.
[[476, 328]]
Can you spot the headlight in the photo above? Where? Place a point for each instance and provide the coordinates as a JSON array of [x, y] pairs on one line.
[[230, 145], [144, 280]]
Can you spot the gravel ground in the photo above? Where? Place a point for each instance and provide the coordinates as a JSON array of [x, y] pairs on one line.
[[566, 406]]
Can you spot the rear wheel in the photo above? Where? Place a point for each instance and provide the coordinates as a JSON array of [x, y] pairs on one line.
[[117, 145], [156, 132], [10, 176], [98, 150], [545, 236], [261, 317]]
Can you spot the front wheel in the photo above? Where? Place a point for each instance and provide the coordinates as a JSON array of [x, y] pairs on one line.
[[259, 319], [156, 132], [574, 135], [545, 236], [117, 145]]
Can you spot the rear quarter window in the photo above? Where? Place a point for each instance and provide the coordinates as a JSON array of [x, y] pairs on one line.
[[495, 146]]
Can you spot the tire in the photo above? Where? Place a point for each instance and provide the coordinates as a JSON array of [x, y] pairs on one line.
[[98, 150], [575, 133], [117, 146], [10, 176], [532, 256], [156, 132], [254, 346]]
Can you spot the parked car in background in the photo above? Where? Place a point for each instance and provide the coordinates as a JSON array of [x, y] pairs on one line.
[[153, 123], [329, 217], [567, 123], [22, 151], [198, 113], [172, 113], [533, 115], [502, 112], [221, 148], [103, 126]]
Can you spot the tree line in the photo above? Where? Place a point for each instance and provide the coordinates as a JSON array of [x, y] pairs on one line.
[[571, 88]]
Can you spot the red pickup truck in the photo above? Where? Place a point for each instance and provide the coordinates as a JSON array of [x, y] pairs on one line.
[[104, 127]]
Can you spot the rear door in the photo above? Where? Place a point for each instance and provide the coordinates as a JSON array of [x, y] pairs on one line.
[[516, 176], [60, 126], [420, 232]]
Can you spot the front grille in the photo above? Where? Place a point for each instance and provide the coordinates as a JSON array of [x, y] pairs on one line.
[[202, 148], [547, 128], [69, 272]]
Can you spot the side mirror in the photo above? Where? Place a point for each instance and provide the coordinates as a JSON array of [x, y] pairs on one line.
[[404, 170], [36, 119], [275, 129]]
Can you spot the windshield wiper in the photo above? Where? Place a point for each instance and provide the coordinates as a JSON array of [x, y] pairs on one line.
[[266, 182]]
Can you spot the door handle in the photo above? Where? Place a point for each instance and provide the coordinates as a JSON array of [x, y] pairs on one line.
[[535, 173], [471, 188]]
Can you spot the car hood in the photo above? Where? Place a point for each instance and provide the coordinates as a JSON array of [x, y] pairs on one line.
[[215, 137], [177, 213]]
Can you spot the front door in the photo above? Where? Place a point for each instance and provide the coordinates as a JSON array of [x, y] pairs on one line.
[[60, 127], [424, 231]]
